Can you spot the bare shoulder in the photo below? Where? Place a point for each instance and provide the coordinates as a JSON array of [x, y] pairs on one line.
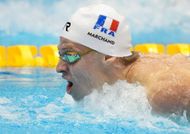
[[167, 81], [168, 86], [161, 57], [163, 60], [151, 66]]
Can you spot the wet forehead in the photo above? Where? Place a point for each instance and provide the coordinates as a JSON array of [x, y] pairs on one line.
[[67, 44]]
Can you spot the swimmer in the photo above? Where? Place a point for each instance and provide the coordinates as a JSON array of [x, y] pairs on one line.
[[95, 49]]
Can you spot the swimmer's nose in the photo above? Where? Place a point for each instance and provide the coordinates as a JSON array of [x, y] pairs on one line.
[[61, 67]]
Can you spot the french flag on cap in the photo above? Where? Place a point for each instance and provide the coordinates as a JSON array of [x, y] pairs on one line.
[[107, 23]]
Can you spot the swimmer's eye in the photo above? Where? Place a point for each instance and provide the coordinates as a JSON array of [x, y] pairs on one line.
[[70, 57]]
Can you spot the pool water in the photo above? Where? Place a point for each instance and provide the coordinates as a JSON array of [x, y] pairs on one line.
[[34, 101]]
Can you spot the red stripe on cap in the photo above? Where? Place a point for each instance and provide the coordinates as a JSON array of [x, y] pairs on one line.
[[114, 25]]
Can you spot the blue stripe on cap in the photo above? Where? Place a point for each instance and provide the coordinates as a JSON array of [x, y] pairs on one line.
[[101, 20]]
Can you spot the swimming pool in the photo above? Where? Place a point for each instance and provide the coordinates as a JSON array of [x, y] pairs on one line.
[[34, 101]]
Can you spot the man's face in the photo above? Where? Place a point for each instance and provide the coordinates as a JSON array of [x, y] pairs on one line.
[[90, 72]]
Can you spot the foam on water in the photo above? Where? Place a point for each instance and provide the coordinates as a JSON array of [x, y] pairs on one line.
[[127, 103], [119, 100]]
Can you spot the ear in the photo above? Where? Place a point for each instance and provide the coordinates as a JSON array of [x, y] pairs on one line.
[[109, 59], [113, 61]]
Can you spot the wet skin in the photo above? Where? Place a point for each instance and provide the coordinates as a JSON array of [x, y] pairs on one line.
[[167, 81], [166, 78]]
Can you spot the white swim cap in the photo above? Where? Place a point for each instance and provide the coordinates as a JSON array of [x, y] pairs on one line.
[[101, 28]]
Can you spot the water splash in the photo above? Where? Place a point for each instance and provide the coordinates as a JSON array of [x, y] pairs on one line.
[[121, 107], [119, 100]]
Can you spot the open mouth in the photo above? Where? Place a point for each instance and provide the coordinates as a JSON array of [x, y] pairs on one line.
[[69, 87]]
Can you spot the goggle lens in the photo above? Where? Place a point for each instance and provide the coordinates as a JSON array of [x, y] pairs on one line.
[[71, 57]]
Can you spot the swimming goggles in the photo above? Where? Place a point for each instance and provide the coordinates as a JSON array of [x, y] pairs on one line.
[[71, 57]]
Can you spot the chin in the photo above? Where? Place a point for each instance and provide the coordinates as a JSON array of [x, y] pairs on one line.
[[79, 93], [77, 98]]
